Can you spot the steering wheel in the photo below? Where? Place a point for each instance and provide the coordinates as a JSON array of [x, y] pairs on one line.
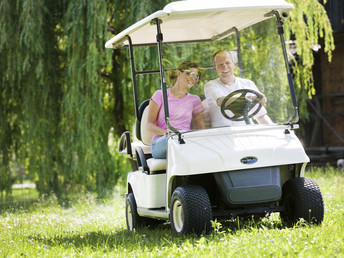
[[242, 105]]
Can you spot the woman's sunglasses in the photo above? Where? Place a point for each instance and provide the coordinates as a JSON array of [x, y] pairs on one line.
[[190, 74]]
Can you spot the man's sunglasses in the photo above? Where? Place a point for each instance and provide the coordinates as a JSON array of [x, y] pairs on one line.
[[190, 74]]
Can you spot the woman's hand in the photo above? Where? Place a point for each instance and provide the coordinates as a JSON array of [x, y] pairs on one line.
[[167, 132]]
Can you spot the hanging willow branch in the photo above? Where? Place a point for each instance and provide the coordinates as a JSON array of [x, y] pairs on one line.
[[308, 23], [84, 136]]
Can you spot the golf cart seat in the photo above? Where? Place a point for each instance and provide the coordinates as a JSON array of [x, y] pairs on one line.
[[140, 151], [144, 158]]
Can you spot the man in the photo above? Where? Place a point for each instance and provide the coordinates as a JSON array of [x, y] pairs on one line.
[[216, 90]]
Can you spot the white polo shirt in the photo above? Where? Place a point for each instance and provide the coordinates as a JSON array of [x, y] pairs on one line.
[[215, 89]]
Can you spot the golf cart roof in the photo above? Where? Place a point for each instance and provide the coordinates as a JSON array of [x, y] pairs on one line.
[[196, 20]]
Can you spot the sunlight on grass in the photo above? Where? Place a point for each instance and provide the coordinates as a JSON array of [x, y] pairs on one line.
[[96, 228]]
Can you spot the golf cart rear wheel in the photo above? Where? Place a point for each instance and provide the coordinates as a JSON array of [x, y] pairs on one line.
[[302, 199], [134, 221], [190, 210]]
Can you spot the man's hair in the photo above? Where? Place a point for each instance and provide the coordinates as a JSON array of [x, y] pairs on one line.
[[224, 51]]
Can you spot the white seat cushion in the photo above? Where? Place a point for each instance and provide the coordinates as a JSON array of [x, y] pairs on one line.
[[156, 165], [146, 136]]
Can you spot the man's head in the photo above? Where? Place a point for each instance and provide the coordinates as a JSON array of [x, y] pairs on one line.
[[224, 66]]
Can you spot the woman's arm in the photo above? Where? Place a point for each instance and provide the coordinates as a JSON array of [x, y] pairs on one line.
[[153, 110]]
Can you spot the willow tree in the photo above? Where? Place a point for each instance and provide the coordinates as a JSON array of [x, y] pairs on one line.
[[307, 25], [30, 91], [52, 113], [84, 129], [62, 91]]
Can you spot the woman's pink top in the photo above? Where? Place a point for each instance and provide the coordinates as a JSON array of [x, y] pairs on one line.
[[180, 110]]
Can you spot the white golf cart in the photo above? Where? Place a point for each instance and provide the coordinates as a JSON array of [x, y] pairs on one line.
[[228, 171]]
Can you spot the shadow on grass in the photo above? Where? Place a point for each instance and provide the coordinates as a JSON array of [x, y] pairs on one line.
[[151, 238], [119, 239], [23, 199], [20, 200], [17, 206]]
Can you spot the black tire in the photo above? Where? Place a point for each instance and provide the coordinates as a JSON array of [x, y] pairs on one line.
[[302, 199], [134, 221], [190, 210]]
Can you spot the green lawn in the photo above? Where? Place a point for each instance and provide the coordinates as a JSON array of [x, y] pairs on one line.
[[88, 227]]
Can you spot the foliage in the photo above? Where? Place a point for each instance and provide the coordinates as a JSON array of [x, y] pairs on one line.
[[30, 97], [52, 109], [308, 23], [87, 227]]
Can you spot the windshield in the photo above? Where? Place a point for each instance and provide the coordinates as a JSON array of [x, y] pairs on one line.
[[261, 69]]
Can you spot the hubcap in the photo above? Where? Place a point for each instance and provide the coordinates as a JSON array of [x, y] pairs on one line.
[[178, 216]]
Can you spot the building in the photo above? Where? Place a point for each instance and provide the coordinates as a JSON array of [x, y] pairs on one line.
[[324, 137]]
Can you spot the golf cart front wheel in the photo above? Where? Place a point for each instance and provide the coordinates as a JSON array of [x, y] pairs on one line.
[[302, 199], [190, 210]]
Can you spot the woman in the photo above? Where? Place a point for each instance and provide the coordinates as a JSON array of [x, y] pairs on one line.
[[183, 107]]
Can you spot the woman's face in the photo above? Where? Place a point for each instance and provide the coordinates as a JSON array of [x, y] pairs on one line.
[[189, 77]]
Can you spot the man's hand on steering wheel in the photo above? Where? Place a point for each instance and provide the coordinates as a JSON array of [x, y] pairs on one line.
[[241, 103], [254, 97]]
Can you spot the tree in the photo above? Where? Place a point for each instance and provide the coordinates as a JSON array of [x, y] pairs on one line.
[[61, 93], [308, 23]]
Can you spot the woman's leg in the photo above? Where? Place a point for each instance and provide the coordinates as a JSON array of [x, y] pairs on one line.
[[159, 147]]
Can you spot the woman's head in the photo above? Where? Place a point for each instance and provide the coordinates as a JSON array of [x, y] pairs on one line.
[[187, 65], [187, 71]]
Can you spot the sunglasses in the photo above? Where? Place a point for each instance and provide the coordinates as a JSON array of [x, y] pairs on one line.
[[190, 74]]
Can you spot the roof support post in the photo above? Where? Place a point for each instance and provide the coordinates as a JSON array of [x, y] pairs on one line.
[[159, 39], [237, 33], [295, 117], [133, 75]]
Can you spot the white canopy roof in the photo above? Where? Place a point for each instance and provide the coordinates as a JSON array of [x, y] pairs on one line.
[[193, 20]]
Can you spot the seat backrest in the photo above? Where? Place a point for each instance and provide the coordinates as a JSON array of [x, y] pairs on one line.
[[141, 124]]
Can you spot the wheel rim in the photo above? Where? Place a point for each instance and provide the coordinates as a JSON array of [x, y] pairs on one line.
[[178, 216], [129, 218]]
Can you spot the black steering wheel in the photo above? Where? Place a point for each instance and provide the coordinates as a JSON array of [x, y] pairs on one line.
[[242, 105]]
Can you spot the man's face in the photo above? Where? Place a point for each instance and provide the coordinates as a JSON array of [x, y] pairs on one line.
[[224, 66]]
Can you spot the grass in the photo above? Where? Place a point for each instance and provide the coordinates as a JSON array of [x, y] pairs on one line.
[[88, 227]]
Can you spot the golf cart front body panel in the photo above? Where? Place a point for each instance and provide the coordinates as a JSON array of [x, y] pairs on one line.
[[226, 149], [249, 186], [149, 190]]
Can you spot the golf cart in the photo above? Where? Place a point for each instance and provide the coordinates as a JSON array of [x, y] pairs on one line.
[[218, 172]]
